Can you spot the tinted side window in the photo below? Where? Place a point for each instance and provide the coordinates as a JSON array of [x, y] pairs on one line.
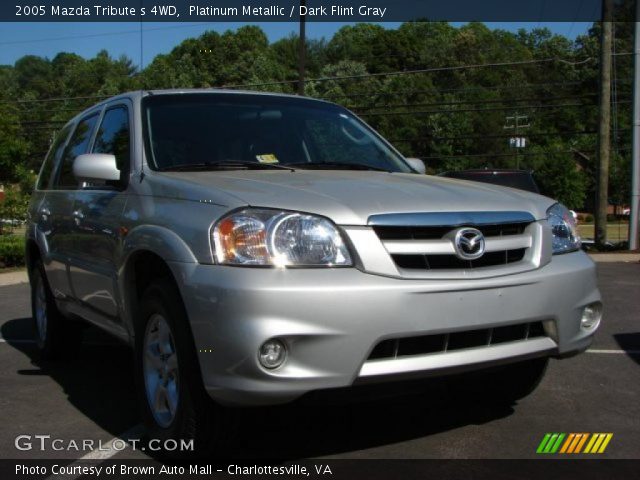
[[341, 142], [55, 152], [77, 145], [113, 136]]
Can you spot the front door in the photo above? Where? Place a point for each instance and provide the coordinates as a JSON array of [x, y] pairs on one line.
[[97, 214]]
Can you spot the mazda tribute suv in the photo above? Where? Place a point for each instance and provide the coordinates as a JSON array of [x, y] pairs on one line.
[[252, 248]]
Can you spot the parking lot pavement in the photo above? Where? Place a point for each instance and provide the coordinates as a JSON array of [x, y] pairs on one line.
[[92, 397]]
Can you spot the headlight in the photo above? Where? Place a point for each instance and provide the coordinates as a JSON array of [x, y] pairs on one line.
[[565, 231], [277, 238]]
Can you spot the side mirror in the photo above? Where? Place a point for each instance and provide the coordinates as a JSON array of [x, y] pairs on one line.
[[92, 167], [417, 165]]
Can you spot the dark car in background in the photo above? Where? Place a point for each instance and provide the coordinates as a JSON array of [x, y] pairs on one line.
[[520, 179]]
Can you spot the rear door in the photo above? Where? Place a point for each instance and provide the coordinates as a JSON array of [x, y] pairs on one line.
[[59, 205], [97, 218], [44, 201]]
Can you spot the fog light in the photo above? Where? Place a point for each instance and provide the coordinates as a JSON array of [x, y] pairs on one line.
[[272, 354], [591, 316]]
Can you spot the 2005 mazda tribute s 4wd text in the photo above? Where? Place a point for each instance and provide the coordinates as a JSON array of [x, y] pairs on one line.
[[253, 247]]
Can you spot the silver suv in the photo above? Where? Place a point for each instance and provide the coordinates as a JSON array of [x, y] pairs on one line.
[[253, 248]]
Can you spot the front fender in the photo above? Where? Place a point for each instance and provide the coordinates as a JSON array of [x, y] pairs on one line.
[[158, 240]]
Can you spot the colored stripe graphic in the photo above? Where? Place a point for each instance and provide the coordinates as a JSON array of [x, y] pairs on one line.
[[549, 446], [594, 437], [565, 447], [556, 445], [598, 443], [605, 442], [581, 442], [543, 443], [550, 443], [573, 443]]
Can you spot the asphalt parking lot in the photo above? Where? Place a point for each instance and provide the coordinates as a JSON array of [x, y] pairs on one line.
[[92, 397]]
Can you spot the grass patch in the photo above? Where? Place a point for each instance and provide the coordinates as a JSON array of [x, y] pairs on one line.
[[11, 251], [616, 232]]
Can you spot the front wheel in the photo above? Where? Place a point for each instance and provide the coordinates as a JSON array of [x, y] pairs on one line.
[[172, 399]]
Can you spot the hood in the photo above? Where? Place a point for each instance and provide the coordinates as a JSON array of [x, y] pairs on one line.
[[347, 197]]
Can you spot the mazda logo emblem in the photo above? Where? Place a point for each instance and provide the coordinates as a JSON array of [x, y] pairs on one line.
[[469, 243]]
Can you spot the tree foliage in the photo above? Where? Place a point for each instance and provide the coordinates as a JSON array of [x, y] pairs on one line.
[[452, 113]]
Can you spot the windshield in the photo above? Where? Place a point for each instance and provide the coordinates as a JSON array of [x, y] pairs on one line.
[[238, 130]]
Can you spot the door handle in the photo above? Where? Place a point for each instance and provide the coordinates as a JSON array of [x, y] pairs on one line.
[[45, 213]]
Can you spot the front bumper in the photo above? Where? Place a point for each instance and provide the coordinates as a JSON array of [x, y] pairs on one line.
[[331, 319]]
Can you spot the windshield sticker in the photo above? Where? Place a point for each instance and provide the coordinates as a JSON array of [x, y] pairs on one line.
[[267, 158]]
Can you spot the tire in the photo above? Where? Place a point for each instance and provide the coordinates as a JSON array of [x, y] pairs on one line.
[[173, 402], [505, 384], [56, 336]]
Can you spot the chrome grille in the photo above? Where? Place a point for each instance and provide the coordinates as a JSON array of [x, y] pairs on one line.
[[425, 241], [444, 262]]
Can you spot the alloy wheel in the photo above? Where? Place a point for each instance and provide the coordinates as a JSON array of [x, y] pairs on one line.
[[160, 369]]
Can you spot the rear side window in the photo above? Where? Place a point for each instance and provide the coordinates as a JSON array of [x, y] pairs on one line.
[[55, 152], [113, 136], [77, 145]]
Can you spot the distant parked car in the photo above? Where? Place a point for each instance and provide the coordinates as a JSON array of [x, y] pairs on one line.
[[12, 222], [520, 179]]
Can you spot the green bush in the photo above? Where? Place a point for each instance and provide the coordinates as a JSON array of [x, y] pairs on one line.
[[13, 208], [589, 219], [11, 251]]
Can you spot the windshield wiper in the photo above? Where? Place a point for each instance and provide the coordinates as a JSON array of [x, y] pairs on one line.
[[225, 165], [337, 166]]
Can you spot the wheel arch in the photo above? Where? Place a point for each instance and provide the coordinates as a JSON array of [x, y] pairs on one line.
[[154, 247], [141, 268]]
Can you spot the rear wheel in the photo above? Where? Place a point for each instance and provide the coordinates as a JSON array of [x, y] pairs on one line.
[[56, 336], [505, 384], [171, 395]]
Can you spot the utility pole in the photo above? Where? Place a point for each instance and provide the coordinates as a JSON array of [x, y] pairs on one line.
[[141, 43], [604, 127], [635, 151], [302, 49], [513, 123]]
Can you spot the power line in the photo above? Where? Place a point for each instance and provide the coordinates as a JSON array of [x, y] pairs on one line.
[[528, 154], [503, 135], [397, 105], [454, 90], [479, 155], [384, 114], [381, 94], [427, 112], [102, 34], [367, 75], [59, 99], [470, 102], [418, 71], [466, 110]]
